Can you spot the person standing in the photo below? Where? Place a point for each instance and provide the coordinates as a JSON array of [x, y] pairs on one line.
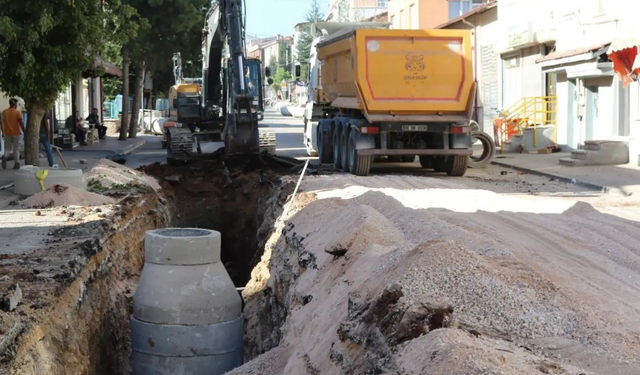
[[12, 128], [45, 137], [81, 132]]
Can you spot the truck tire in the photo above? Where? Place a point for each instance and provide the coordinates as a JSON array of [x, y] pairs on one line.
[[426, 161], [457, 165], [337, 154], [325, 151], [359, 165], [344, 153], [488, 150], [439, 163]]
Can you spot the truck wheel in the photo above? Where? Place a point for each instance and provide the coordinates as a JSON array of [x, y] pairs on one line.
[[325, 151], [439, 163], [408, 158], [457, 165], [337, 155], [344, 153], [488, 150], [359, 165], [426, 161]]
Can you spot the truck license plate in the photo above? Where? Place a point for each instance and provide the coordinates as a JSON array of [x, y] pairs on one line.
[[414, 128]]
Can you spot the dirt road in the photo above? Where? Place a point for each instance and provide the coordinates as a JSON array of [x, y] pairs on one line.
[[445, 276]]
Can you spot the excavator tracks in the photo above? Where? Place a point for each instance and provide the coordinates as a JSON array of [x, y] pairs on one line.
[[267, 141]]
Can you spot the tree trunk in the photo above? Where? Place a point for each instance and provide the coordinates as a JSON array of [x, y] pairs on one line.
[[138, 89], [35, 112], [124, 123]]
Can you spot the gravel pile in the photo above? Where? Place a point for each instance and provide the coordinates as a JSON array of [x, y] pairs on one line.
[[65, 195]]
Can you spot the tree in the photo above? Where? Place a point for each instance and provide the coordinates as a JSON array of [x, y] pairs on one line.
[[273, 65], [175, 25], [44, 46], [305, 39], [281, 75]]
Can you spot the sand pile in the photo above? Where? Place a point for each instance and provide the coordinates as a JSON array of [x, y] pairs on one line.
[[65, 195], [435, 279]]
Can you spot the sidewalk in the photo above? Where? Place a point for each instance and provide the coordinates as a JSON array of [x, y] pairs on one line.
[[617, 179], [111, 144]]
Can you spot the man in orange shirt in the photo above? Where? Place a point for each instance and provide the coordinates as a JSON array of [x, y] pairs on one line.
[[12, 127]]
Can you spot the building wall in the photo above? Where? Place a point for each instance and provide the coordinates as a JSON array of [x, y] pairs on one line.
[[355, 10], [487, 63], [570, 25], [418, 14]]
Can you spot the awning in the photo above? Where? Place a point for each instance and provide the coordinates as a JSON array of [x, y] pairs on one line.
[[624, 54], [595, 49], [110, 70]]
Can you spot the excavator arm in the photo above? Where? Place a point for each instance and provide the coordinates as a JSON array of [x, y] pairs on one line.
[[225, 90]]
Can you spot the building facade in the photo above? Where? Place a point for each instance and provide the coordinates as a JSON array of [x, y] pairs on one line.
[[559, 48], [418, 14], [355, 10], [483, 21]]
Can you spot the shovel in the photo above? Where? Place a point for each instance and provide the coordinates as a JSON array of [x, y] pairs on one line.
[[41, 175]]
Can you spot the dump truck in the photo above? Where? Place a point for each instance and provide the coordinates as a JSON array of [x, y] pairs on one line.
[[394, 93]]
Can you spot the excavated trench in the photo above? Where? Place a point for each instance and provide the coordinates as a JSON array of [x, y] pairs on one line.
[[88, 331], [239, 197]]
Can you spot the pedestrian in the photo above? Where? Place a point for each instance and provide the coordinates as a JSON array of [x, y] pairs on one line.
[[80, 131], [12, 128], [94, 118], [45, 137]]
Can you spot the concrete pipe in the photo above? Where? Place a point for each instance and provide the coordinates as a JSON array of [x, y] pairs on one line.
[[158, 124], [186, 311]]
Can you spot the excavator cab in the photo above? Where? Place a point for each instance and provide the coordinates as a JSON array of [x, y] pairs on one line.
[[254, 86]]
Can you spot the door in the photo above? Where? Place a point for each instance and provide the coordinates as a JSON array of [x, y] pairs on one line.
[[592, 112]]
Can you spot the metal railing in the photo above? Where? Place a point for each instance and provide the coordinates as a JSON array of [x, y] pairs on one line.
[[530, 112]]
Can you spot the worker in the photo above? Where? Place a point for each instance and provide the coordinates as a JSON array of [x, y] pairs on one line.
[[12, 129], [94, 118], [45, 137]]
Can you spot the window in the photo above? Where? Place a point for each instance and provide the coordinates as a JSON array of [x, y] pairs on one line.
[[413, 19], [460, 7], [383, 3]]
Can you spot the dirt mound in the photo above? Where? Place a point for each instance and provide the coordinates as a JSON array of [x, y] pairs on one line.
[[425, 278], [107, 176], [65, 195]]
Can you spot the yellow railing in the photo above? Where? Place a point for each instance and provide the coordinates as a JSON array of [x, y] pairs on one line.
[[527, 113]]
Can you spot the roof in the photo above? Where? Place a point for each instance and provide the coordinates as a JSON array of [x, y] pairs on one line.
[[110, 69], [574, 52], [479, 10]]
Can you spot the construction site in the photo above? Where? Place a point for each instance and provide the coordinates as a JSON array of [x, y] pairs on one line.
[[501, 274], [379, 232]]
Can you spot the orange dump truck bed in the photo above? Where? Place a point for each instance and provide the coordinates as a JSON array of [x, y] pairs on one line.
[[400, 74]]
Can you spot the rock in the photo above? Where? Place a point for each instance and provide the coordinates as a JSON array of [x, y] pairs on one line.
[[38, 213], [83, 161], [337, 251], [10, 300], [4, 278], [173, 180], [504, 173], [118, 158]]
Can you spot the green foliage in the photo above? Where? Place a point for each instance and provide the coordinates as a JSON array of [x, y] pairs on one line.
[[273, 65], [281, 74], [111, 88], [305, 39], [45, 44]]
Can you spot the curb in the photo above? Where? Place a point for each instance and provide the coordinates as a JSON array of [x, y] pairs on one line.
[[601, 188], [133, 147], [126, 150]]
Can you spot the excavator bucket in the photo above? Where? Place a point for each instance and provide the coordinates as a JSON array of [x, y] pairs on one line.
[[241, 135]]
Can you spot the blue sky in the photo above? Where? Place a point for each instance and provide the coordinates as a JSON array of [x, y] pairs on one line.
[[271, 17]]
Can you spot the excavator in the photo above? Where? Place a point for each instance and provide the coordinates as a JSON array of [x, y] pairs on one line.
[[229, 107]]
